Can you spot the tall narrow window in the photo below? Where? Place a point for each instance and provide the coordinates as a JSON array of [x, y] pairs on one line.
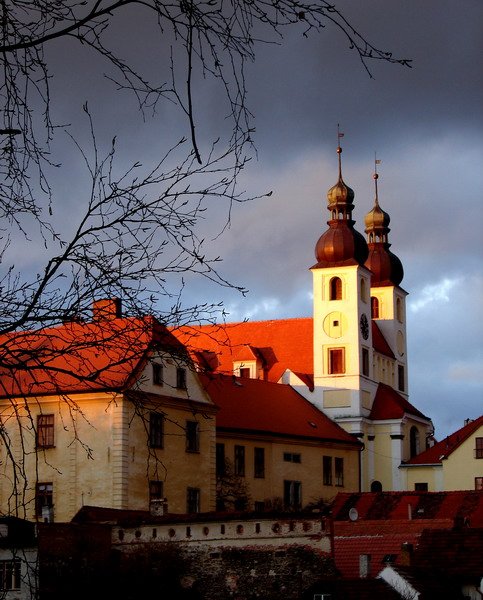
[[192, 500], [413, 441], [157, 374], [156, 489], [399, 310], [479, 447], [240, 461], [181, 378], [192, 436], [45, 431], [156, 430], [400, 378], [259, 463], [336, 361], [365, 362], [479, 484], [220, 460], [292, 494], [374, 307], [327, 470], [363, 290], [44, 500], [10, 575], [335, 288], [339, 471]]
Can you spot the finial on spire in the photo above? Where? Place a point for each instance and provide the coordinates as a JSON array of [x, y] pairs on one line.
[[376, 176], [339, 149]]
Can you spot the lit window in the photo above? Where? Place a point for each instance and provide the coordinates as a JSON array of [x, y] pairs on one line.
[[336, 361], [192, 500], [259, 463], [327, 470], [181, 378], [45, 431], [192, 436], [479, 447], [335, 289], [44, 500], [292, 494], [156, 430], [374, 307], [240, 461], [10, 575], [339, 471], [157, 374]]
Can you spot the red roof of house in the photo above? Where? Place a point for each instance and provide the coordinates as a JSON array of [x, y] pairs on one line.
[[279, 345], [443, 449], [79, 356], [252, 405], [388, 404], [455, 506]]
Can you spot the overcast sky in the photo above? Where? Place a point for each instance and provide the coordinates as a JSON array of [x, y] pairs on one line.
[[425, 124]]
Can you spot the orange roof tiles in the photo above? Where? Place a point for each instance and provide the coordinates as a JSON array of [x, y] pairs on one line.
[[388, 404], [252, 405], [79, 356], [444, 448]]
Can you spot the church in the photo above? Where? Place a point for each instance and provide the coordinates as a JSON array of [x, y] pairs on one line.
[[350, 359]]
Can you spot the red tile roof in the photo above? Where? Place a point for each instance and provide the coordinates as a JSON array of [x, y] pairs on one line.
[[444, 448], [280, 345], [79, 356], [388, 404], [392, 506], [252, 405]]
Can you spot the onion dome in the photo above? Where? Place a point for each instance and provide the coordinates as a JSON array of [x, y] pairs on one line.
[[385, 266], [341, 244]]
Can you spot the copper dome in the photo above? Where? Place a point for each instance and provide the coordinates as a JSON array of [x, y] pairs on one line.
[[385, 266], [341, 245]]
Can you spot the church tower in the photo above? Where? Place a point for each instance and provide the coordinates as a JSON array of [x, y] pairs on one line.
[[343, 378]]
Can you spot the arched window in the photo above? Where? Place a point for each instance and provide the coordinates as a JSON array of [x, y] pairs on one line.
[[335, 289], [399, 311], [363, 290], [413, 441], [374, 307], [376, 486]]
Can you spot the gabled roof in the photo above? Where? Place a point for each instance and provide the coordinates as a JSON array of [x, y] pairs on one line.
[[255, 406], [281, 344], [388, 404], [459, 506], [446, 447], [79, 356]]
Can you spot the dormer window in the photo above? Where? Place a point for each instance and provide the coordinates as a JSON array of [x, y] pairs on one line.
[[335, 288], [157, 374], [181, 378], [245, 372]]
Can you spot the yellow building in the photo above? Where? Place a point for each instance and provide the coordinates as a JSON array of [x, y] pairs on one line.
[[455, 463], [104, 413], [350, 359]]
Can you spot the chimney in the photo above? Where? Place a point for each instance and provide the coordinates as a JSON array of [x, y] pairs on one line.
[[406, 554], [106, 309]]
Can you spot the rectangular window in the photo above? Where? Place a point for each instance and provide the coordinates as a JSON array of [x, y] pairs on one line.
[[479, 447], [240, 461], [339, 471], [192, 436], [365, 362], [292, 457], [327, 470], [45, 431], [421, 487], [10, 575], [400, 378], [292, 494], [259, 463], [259, 506], [220, 460], [336, 361], [156, 489], [44, 500], [156, 430], [181, 378], [157, 374], [192, 500], [479, 484], [245, 372]]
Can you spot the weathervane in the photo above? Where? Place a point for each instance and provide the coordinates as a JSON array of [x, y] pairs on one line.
[[339, 149], [377, 161]]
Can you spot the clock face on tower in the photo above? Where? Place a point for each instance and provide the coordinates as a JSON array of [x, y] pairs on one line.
[[364, 324]]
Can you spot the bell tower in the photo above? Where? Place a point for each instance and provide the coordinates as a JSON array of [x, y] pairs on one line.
[[342, 318]]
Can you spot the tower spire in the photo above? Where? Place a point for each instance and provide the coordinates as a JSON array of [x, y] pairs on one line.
[[340, 135], [376, 177]]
